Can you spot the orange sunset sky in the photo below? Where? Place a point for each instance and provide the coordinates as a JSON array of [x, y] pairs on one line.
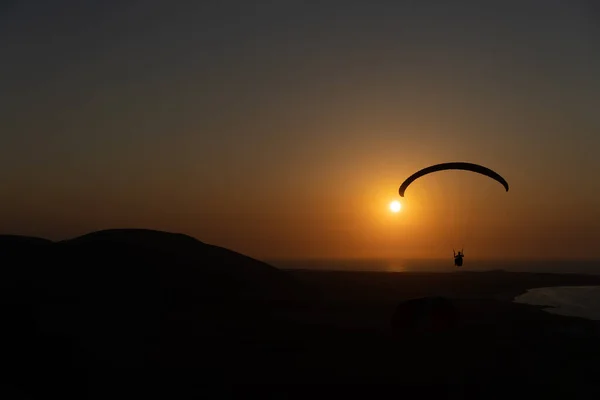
[[283, 130]]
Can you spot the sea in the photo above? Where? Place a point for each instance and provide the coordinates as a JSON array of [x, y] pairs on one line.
[[445, 265]]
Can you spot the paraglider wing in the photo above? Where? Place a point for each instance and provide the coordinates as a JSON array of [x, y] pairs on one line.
[[450, 166]]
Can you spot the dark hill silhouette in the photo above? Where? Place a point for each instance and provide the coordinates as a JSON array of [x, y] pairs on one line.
[[21, 248], [6, 241], [132, 297], [169, 260], [135, 259], [20, 255]]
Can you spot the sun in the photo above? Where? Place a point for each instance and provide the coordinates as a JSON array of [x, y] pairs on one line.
[[395, 206]]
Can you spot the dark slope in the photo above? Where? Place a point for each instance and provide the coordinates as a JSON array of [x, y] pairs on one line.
[[125, 257], [132, 298], [7, 241], [15, 249], [19, 257]]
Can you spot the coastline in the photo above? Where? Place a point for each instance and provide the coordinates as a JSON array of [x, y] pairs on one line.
[[394, 286]]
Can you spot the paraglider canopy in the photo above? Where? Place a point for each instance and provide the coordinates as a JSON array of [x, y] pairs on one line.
[[453, 166]]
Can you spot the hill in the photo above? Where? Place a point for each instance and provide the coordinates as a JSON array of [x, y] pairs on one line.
[[130, 297], [131, 258]]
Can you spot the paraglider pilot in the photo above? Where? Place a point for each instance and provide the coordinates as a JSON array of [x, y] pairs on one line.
[[458, 258]]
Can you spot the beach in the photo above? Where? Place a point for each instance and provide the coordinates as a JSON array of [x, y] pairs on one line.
[[575, 301]]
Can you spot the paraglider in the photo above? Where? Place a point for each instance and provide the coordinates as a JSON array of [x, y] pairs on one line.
[[465, 166], [458, 258]]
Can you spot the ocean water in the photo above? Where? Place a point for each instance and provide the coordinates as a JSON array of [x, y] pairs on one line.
[[539, 266]]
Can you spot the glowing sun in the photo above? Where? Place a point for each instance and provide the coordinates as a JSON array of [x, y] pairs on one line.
[[395, 206]]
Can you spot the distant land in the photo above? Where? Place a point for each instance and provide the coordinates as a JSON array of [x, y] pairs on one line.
[[566, 266]]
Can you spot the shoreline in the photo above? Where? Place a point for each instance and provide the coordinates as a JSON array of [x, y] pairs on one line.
[[570, 300], [390, 286]]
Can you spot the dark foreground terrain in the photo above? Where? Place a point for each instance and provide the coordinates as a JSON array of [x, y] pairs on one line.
[[138, 314]]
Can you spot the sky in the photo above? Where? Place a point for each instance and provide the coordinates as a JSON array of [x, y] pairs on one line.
[[283, 129]]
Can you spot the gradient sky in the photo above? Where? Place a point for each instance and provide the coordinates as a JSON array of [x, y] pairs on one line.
[[282, 129]]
